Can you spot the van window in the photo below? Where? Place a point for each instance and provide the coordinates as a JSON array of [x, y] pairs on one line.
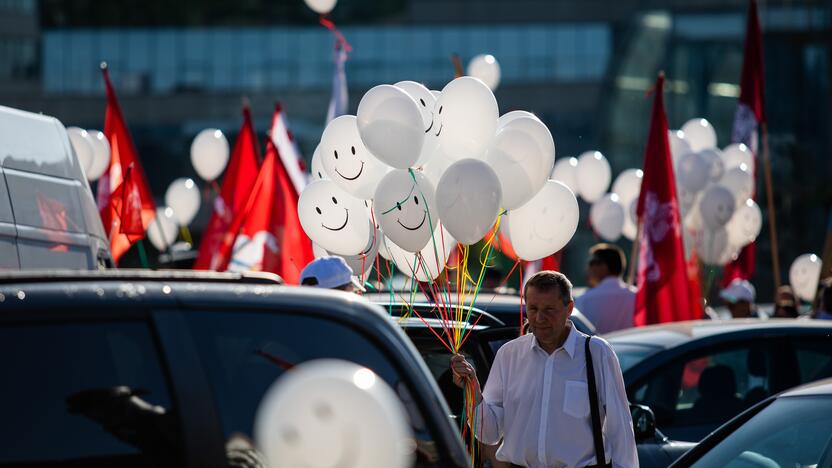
[[245, 353], [93, 394]]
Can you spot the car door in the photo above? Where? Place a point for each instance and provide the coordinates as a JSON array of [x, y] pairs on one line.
[[91, 391], [699, 390]]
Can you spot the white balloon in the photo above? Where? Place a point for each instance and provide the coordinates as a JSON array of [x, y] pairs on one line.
[[593, 175], [434, 169], [434, 256], [607, 217], [678, 145], [425, 99], [321, 7], [509, 116], [163, 230], [737, 154], [405, 207], [545, 224], [715, 166], [390, 125], [740, 182], [82, 144], [804, 275], [100, 155], [716, 206], [347, 161], [334, 219], [700, 134], [522, 156], [184, 198], [464, 119], [363, 263], [566, 171], [693, 172], [713, 247], [468, 199], [317, 171], [745, 225], [628, 185], [486, 68], [329, 412], [209, 153]]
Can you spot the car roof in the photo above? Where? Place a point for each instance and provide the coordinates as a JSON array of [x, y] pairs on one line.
[[820, 387], [128, 274], [670, 335]]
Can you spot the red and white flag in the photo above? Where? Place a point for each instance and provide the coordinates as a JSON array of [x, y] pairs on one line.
[[126, 203], [266, 235], [664, 293], [749, 117], [236, 187]]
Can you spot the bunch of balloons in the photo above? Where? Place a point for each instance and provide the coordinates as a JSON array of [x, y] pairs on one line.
[[92, 149], [416, 171], [714, 189]]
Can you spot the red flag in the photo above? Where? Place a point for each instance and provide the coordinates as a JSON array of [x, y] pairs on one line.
[[749, 116], [267, 234], [123, 155], [663, 288], [236, 188], [127, 205]]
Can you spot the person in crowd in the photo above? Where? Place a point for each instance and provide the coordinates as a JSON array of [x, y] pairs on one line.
[[785, 303], [824, 311], [555, 397], [330, 273], [739, 296], [610, 302]]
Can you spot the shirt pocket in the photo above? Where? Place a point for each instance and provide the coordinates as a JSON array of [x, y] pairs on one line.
[[576, 399]]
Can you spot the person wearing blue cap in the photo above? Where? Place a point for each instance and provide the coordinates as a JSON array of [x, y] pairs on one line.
[[330, 273]]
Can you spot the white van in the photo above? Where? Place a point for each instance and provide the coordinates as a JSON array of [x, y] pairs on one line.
[[48, 216]]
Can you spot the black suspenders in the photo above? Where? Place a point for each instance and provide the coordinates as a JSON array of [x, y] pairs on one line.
[[595, 413]]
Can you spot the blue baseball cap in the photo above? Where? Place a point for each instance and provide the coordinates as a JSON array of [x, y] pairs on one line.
[[329, 272]]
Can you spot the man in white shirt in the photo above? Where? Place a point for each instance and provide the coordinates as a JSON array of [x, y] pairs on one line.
[[610, 302], [537, 395]]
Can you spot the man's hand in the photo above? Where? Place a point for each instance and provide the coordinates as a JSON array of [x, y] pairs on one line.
[[462, 371]]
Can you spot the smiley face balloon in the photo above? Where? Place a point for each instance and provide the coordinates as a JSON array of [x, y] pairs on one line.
[[405, 207], [331, 413], [716, 206], [334, 219], [464, 119], [545, 224], [425, 101], [347, 161]]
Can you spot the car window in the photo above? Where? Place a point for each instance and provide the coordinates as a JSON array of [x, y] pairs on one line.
[[67, 396], [694, 395], [630, 354], [246, 352], [814, 357], [793, 431]]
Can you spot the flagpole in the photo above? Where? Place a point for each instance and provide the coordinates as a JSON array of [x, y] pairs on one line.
[[458, 71], [772, 220], [631, 275]]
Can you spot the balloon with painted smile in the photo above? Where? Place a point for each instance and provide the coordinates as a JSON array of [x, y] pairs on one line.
[[545, 224], [334, 219], [405, 207], [425, 101], [347, 161], [464, 119]]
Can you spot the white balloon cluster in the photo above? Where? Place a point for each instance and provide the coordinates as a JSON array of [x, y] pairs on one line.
[[714, 188], [436, 168], [92, 149]]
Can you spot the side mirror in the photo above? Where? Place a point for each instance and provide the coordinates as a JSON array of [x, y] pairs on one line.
[[644, 422]]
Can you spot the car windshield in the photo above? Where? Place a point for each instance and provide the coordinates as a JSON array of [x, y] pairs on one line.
[[794, 431], [630, 354]]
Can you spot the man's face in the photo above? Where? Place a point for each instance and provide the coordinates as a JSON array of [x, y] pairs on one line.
[[547, 313], [740, 309]]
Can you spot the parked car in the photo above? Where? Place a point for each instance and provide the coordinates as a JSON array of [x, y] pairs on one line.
[[48, 216], [159, 368], [697, 375], [793, 428], [505, 307]]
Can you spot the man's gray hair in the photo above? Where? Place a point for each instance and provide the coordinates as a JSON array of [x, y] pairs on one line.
[[547, 280]]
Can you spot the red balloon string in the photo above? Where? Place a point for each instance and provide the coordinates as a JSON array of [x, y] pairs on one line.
[[340, 40]]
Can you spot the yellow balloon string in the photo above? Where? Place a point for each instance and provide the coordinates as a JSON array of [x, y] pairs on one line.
[[186, 234]]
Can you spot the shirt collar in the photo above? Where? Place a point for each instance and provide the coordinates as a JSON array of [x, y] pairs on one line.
[[609, 281], [568, 345]]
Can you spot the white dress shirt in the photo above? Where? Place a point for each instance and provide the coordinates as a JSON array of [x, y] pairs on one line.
[[609, 305], [538, 404]]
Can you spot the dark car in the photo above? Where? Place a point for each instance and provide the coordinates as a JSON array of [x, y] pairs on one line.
[[793, 428], [156, 368], [505, 307], [697, 375]]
